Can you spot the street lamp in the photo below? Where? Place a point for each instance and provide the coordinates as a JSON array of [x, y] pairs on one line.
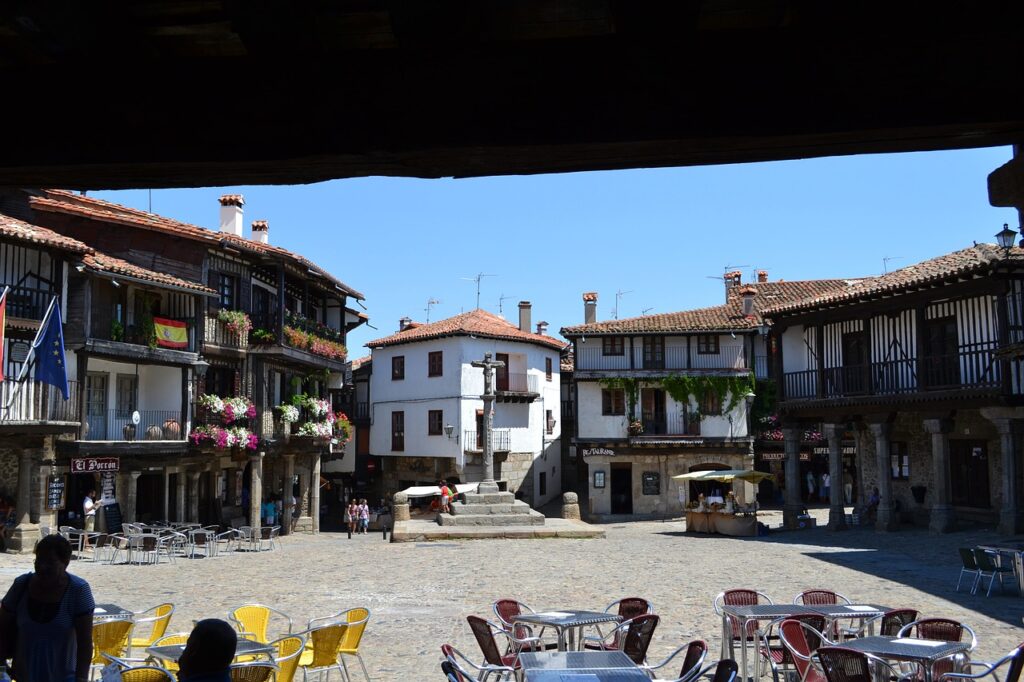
[[448, 430], [1005, 237], [200, 366]]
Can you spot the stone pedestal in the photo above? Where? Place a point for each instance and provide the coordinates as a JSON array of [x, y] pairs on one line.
[[25, 533], [401, 507], [570, 506], [491, 509]]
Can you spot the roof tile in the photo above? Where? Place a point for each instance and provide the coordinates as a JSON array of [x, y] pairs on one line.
[[475, 322]]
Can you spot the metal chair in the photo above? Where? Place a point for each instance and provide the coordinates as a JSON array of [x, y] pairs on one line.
[[266, 539], [890, 623], [254, 671], [356, 619], [778, 656], [199, 540], [139, 673], [160, 617], [455, 659], [252, 621], [484, 632], [226, 541], [969, 566], [738, 597], [320, 654], [110, 638], [819, 597], [1013, 660], [798, 637], [637, 636], [696, 652], [170, 640], [506, 611], [944, 630], [288, 649], [628, 609], [986, 566], [144, 548], [848, 665]]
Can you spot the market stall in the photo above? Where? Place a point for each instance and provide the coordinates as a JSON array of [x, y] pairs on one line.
[[727, 517]]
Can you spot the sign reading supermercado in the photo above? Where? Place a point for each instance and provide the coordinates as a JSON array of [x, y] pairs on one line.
[[90, 465], [598, 452]]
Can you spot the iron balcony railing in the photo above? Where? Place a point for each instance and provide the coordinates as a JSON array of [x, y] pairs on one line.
[[119, 425], [968, 369], [667, 425], [501, 440], [670, 358], [37, 402], [516, 382]]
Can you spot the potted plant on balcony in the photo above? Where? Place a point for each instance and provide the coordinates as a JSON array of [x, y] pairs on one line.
[[236, 322], [260, 336], [288, 415], [693, 423], [635, 428], [116, 331]]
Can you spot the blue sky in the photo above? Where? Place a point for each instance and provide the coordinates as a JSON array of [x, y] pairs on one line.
[[663, 235]]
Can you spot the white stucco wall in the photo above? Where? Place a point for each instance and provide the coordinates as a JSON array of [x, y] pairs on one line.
[[794, 350]]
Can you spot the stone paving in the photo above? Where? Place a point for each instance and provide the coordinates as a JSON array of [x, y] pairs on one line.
[[420, 593]]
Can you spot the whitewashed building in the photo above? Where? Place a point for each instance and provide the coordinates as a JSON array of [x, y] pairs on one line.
[[426, 413]]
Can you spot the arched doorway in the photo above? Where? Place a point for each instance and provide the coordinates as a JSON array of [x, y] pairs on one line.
[[709, 488]]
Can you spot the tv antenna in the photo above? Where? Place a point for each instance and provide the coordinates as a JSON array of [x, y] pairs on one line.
[[479, 276], [885, 263], [431, 302], [501, 302], [646, 310], [726, 269], [618, 297]]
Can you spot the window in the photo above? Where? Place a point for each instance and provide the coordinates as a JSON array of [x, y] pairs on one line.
[[547, 368], [219, 381], [711, 404], [398, 431], [435, 422], [899, 457], [613, 345], [398, 368], [226, 290], [613, 401], [126, 397], [707, 344], [549, 421], [435, 363]]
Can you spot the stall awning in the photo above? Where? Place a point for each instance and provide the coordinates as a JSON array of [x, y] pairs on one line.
[[725, 476], [428, 490]]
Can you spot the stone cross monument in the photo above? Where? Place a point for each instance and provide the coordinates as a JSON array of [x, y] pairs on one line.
[[488, 485]]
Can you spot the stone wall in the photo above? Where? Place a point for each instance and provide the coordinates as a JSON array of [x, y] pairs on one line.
[[517, 471], [9, 471]]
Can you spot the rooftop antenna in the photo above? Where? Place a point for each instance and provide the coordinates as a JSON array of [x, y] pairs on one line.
[[885, 263], [501, 302], [479, 276], [646, 310], [431, 302], [727, 268], [618, 296]]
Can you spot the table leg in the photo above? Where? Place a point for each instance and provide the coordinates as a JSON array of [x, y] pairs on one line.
[[743, 648]]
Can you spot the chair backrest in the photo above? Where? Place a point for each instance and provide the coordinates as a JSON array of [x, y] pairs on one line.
[[198, 537], [506, 610], [817, 598], [844, 665], [696, 652], [288, 650], [895, 620], [252, 619], [485, 639], [725, 671], [257, 671], [326, 640], [791, 632], [740, 597], [356, 619], [111, 637], [160, 619], [638, 637], [942, 629], [1016, 664], [451, 667], [967, 557], [984, 561], [631, 607], [146, 674], [168, 640]]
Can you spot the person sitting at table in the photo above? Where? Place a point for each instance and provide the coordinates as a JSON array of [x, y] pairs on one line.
[[208, 652]]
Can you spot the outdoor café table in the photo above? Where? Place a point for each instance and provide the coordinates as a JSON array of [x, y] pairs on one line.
[[243, 647], [755, 613], [1014, 556], [567, 622], [107, 611], [580, 666], [834, 612], [923, 651]]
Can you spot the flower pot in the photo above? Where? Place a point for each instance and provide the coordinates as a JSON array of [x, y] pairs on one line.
[[154, 432], [172, 429], [128, 432]]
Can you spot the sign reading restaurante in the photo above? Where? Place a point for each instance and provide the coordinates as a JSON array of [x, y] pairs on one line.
[[89, 465], [592, 452]]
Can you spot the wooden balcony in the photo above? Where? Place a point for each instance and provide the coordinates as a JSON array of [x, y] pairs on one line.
[[219, 339]]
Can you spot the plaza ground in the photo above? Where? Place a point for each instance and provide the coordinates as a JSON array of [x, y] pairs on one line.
[[420, 593]]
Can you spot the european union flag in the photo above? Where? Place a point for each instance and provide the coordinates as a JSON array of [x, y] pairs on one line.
[[51, 367]]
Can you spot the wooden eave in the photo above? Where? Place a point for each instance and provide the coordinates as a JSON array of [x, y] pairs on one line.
[[123, 448], [121, 351], [296, 356]]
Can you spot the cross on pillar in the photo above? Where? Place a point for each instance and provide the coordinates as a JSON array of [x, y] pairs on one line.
[[488, 365]]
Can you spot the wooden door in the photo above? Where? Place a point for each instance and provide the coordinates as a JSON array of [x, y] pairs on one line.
[[968, 473]]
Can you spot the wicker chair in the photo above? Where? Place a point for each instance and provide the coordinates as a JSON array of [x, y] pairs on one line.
[[253, 620], [506, 611], [457, 670], [738, 597], [798, 637], [986, 566], [321, 651], [627, 609], [847, 665], [696, 652], [970, 567], [725, 671], [891, 622], [484, 632], [820, 598], [287, 652], [170, 640], [254, 671], [944, 630], [778, 656], [110, 638]]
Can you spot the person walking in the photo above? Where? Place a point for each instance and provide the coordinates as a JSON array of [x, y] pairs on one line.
[[89, 514], [810, 486], [353, 515], [826, 487], [364, 516], [848, 486], [47, 616]]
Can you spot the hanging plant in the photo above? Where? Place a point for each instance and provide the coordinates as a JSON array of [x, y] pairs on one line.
[[289, 413], [236, 321], [681, 386], [224, 438], [343, 427], [317, 429], [228, 409]]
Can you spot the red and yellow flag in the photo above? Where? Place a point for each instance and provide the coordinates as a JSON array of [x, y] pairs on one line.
[[170, 333]]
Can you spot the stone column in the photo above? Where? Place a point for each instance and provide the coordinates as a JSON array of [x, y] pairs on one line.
[[288, 509], [193, 496], [167, 495], [25, 533], [885, 514], [1010, 425], [792, 508], [255, 488], [943, 519], [314, 494], [131, 496], [836, 508], [180, 490]]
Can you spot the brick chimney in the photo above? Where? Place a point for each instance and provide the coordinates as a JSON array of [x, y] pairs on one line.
[[261, 231], [590, 307], [732, 280], [524, 316], [542, 328], [762, 276], [748, 293], [404, 323], [231, 213]]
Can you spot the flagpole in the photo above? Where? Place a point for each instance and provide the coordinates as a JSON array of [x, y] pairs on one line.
[[19, 382]]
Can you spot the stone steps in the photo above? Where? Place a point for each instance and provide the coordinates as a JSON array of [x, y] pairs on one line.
[[529, 518]]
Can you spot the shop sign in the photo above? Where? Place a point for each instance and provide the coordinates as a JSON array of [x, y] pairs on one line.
[[594, 452], [781, 456], [846, 449], [92, 465], [56, 492]]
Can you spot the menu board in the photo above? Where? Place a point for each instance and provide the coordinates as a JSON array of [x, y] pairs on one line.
[[112, 513], [651, 481], [56, 492]]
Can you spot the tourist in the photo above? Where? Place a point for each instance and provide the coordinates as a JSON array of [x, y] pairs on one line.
[[871, 513], [353, 515], [268, 511], [445, 494], [826, 487], [848, 486], [208, 652], [364, 516], [810, 486], [89, 512], [47, 617]]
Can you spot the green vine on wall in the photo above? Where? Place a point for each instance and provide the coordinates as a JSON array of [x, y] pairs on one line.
[[681, 386]]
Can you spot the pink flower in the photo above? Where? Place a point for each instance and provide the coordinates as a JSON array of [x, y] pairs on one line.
[[253, 442]]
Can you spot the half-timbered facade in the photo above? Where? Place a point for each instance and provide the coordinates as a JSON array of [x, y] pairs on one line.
[[919, 361], [661, 395]]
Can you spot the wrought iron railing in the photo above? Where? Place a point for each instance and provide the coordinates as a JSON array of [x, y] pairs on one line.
[[670, 358], [35, 401], [501, 440], [673, 424], [119, 425], [516, 382]]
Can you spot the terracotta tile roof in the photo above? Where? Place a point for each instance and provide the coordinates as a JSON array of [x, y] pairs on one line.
[[567, 363], [727, 317], [361, 362], [12, 228], [62, 201], [475, 322], [100, 262], [974, 260]]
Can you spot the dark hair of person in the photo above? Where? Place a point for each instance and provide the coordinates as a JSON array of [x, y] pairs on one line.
[[60, 547], [213, 643]]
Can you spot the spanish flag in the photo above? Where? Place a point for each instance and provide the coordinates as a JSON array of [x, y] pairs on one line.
[[3, 330], [170, 333]]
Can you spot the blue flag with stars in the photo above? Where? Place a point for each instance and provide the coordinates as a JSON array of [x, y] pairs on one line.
[[51, 367]]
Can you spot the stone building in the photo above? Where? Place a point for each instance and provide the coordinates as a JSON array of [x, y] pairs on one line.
[[426, 413], [922, 366]]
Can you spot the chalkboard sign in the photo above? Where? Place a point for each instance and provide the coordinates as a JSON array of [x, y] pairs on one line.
[[56, 492], [112, 513], [651, 483]]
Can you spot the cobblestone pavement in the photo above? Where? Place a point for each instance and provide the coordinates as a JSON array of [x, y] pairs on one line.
[[420, 593]]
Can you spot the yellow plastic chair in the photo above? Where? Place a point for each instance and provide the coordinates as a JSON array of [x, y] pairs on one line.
[[160, 617], [252, 621], [321, 651], [168, 640], [288, 651], [110, 637], [252, 672], [146, 674], [356, 619]]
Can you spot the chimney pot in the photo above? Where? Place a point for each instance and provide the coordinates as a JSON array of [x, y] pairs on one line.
[[524, 316], [762, 276], [542, 328], [732, 280], [261, 231], [748, 293], [231, 214], [589, 307], [404, 323]]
